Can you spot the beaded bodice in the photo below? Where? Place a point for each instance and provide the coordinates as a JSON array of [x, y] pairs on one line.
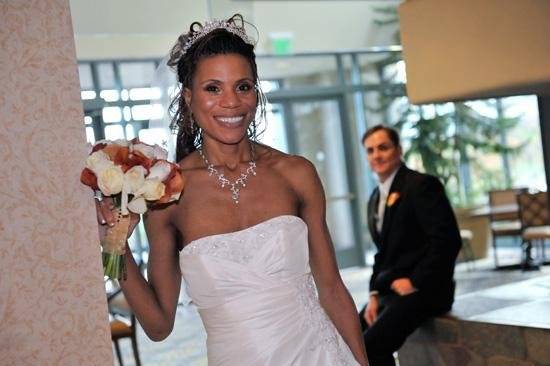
[[256, 284]]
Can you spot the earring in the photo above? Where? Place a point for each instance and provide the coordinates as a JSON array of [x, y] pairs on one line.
[[251, 130], [192, 123]]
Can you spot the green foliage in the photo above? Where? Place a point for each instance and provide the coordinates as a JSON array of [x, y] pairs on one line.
[[447, 142], [432, 142]]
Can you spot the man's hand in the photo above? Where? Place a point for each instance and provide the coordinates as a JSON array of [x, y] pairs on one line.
[[371, 312], [403, 286]]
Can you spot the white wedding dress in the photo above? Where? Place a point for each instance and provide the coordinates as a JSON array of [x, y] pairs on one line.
[[255, 294]]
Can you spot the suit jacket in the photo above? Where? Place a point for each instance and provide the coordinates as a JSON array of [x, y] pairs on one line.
[[419, 237]]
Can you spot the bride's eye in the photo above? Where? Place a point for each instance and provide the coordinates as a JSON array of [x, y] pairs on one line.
[[245, 87], [212, 88]]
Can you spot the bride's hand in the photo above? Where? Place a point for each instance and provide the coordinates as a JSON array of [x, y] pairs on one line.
[[107, 214]]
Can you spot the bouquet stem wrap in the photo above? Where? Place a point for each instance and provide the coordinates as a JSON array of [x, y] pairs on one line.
[[114, 247]]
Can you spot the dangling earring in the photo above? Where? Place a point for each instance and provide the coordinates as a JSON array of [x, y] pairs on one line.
[[192, 124], [251, 130]]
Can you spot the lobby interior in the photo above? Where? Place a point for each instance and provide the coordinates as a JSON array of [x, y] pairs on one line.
[[329, 86], [469, 97]]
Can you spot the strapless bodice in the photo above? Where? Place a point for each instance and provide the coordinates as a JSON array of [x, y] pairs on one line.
[[256, 296]]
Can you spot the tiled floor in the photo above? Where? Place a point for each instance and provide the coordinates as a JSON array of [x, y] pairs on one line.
[[186, 345], [502, 325], [525, 303]]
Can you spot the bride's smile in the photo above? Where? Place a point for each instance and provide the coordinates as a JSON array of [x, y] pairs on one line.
[[223, 97], [231, 122]]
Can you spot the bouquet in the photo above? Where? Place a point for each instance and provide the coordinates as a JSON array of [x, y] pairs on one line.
[[137, 176]]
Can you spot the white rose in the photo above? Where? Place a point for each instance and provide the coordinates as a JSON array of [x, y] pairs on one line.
[[160, 170], [98, 161], [110, 180], [151, 190], [134, 178], [152, 152], [138, 205]]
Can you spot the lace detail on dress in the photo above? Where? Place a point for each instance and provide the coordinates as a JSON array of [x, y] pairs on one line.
[[239, 250], [238, 246], [316, 317]]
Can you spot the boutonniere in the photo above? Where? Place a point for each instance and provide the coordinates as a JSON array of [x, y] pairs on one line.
[[392, 198]]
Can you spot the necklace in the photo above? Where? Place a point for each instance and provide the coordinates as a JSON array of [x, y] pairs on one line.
[[236, 186]]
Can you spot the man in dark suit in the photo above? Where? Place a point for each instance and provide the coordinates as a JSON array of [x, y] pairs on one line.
[[414, 228]]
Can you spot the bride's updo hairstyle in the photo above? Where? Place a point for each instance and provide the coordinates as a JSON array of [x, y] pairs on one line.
[[219, 37]]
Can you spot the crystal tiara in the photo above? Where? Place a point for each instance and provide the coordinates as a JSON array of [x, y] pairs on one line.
[[212, 26]]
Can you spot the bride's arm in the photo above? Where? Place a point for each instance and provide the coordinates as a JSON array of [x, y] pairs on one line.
[[154, 300], [333, 295]]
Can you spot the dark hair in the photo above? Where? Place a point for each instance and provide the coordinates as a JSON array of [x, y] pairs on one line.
[[392, 134], [216, 42]]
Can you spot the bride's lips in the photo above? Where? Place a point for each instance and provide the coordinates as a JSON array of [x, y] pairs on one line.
[[230, 120]]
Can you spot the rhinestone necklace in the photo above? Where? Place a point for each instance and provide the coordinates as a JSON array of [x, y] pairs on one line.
[[236, 186]]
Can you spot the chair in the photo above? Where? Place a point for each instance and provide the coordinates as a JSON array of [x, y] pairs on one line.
[[535, 224], [466, 252], [123, 324], [504, 216]]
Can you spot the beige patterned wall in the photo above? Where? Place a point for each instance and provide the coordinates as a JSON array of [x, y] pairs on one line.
[[52, 301]]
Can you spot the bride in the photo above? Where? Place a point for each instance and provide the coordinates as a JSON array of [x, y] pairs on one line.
[[248, 234]]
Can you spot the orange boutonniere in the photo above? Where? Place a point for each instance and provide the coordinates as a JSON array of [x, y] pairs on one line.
[[392, 198]]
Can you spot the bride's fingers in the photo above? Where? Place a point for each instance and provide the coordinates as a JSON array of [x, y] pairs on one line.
[[111, 212], [107, 214], [106, 208], [99, 213]]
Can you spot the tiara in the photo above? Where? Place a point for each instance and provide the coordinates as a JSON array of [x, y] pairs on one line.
[[212, 26]]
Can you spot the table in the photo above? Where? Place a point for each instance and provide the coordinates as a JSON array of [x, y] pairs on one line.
[[487, 210]]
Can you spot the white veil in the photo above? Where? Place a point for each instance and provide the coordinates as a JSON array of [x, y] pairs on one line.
[[164, 86]]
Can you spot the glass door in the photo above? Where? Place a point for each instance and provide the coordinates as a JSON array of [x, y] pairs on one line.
[[313, 128]]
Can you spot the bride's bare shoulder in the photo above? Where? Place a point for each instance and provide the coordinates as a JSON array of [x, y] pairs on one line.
[[191, 163], [290, 166]]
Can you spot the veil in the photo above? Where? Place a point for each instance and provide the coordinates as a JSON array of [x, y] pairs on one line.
[[164, 86]]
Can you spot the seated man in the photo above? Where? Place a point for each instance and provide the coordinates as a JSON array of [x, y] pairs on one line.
[[414, 228]]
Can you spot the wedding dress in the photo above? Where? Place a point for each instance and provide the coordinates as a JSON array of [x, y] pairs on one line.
[[255, 294]]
